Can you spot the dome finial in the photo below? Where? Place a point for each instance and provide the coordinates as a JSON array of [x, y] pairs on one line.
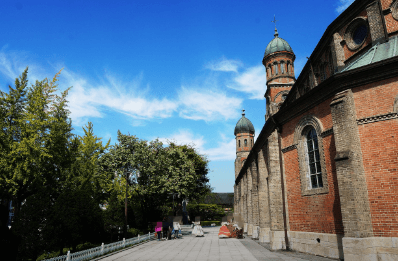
[[243, 113], [276, 30]]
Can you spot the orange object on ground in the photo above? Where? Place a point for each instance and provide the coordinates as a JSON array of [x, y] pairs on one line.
[[224, 232]]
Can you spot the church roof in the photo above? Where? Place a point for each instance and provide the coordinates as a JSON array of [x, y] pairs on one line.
[[277, 45], [375, 54], [244, 125]]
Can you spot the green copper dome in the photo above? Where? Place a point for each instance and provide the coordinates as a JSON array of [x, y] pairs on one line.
[[244, 125], [277, 45]]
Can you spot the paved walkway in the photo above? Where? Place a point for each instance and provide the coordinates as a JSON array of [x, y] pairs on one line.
[[209, 247]]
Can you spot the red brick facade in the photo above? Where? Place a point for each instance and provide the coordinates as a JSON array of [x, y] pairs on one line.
[[347, 94]]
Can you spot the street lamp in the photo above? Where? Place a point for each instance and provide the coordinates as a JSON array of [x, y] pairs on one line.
[[127, 171], [174, 194]]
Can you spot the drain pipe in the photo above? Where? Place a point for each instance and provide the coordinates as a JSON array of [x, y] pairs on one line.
[[279, 130]]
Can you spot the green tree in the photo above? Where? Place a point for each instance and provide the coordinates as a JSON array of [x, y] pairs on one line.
[[158, 172]]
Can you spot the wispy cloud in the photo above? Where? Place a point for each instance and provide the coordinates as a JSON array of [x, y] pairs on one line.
[[88, 100], [185, 137], [13, 63], [251, 81], [207, 105], [94, 98], [343, 4], [224, 65], [224, 150]]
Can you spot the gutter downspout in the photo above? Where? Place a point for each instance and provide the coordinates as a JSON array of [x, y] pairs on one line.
[[279, 130]]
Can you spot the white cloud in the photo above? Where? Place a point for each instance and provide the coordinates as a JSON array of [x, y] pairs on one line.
[[251, 81], [225, 149], [93, 98], [185, 137], [207, 105], [224, 65], [87, 100], [343, 4], [12, 64]]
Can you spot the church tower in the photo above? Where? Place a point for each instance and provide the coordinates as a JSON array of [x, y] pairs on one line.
[[279, 66], [244, 135]]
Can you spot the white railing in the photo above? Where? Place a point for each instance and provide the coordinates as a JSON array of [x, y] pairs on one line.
[[103, 249]]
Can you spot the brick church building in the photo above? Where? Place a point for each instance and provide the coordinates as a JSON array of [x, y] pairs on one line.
[[322, 176]]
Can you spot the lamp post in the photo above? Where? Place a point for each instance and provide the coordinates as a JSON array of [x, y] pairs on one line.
[[127, 173], [174, 194]]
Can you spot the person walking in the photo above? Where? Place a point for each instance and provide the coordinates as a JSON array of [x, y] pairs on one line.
[[158, 229]]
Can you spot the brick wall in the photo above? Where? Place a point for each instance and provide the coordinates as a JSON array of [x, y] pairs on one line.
[[380, 156], [385, 4], [315, 213], [274, 91], [376, 98], [379, 145], [322, 112]]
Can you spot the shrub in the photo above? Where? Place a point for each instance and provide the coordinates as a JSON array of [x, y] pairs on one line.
[[208, 223], [133, 232], [85, 246], [205, 211]]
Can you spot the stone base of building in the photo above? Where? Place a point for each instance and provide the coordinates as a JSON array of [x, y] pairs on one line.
[[245, 228], [277, 240], [250, 229], [370, 248], [320, 244], [263, 235], [255, 232]]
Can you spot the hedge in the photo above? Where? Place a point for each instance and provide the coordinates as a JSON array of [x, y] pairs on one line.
[[208, 223]]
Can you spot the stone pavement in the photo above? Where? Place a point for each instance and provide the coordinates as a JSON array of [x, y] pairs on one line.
[[209, 247]]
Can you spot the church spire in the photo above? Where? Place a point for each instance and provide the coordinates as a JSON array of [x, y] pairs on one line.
[[276, 30]]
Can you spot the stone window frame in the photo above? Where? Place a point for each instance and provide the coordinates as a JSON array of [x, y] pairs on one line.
[[282, 65], [280, 93], [394, 9], [354, 24], [300, 139], [276, 68], [270, 70]]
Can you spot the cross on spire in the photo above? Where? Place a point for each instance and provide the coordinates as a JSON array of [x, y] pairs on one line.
[[276, 31], [243, 113], [274, 21]]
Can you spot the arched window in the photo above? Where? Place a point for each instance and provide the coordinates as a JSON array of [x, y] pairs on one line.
[[239, 143], [270, 70], [282, 67], [276, 68], [288, 67], [313, 160], [311, 157], [245, 142], [252, 142]]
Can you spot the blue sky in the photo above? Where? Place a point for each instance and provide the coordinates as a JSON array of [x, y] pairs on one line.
[[176, 70]]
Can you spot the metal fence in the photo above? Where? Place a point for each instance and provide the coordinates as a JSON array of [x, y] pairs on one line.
[[103, 249]]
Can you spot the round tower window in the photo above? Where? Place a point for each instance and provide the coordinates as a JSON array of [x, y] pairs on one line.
[[360, 34], [356, 33]]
